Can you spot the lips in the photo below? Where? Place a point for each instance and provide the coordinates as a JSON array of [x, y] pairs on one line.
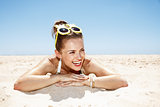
[[77, 63]]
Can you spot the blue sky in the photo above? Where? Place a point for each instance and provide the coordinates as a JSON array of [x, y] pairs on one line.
[[109, 26]]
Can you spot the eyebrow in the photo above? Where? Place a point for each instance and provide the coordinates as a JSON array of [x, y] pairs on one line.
[[75, 50], [71, 50]]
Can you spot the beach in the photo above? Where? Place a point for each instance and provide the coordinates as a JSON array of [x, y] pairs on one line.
[[141, 71]]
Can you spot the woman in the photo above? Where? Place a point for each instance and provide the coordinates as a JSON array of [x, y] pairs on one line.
[[69, 66]]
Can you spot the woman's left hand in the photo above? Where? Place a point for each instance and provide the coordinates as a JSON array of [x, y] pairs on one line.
[[70, 83]]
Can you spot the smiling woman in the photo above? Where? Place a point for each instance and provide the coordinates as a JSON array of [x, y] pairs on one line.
[[69, 66]]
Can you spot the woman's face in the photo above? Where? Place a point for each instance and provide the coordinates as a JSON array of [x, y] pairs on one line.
[[73, 54]]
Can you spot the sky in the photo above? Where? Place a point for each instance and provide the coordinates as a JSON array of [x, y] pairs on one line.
[[109, 26]]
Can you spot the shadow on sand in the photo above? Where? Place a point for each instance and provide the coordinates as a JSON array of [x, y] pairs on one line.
[[60, 93]]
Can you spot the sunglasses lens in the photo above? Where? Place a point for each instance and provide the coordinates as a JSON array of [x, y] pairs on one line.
[[63, 30], [75, 29]]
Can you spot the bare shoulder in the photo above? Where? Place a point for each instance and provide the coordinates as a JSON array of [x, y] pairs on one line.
[[88, 65], [91, 65], [47, 65], [87, 61]]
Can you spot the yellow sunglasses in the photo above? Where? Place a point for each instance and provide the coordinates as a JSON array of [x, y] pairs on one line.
[[66, 29]]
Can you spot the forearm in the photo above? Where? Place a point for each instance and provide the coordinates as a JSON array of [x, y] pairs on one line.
[[33, 82], [108, 82]]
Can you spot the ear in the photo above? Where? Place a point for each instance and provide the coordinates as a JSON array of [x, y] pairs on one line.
[[58, 54]]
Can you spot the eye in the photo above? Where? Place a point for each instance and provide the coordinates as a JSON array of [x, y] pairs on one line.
[[82, 50], [72, 52]]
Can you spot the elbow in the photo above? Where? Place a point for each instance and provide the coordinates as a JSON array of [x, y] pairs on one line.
[[20, 86], [119, 85], [17, 86], [121, 82], [124, 83]]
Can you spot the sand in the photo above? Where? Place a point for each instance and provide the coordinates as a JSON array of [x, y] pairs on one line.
[[141, 71]]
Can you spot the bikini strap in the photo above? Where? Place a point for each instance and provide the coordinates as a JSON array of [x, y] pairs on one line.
[[59, 67]]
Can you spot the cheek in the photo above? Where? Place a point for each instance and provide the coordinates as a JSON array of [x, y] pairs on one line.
[[83, 55], [67, 58]]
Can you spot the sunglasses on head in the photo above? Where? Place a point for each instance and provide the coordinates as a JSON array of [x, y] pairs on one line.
[[66, 29]]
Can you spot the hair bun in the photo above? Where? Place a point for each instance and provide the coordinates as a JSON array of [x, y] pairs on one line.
[[58, 22]]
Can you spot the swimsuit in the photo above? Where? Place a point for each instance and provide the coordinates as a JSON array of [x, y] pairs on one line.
[[59, 67]]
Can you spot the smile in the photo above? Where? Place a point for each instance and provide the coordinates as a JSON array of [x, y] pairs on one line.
[[77, 63]]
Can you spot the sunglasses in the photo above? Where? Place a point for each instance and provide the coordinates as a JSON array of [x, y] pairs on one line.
[[66, 29]]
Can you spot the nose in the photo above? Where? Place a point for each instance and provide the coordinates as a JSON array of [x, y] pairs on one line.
[[78, 56]]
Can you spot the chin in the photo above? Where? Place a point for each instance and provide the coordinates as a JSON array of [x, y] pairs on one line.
[[76, 68]]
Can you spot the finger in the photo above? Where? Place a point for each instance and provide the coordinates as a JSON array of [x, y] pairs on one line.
[[69, 83], [57, 85], [79, 75], [64, 83], [76, 84], [77, 80], [76, 76]]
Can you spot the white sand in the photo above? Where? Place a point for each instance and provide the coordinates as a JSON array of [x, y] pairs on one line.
[[141, 71]]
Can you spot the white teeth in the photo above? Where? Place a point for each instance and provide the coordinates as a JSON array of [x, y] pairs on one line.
[[77, 62]]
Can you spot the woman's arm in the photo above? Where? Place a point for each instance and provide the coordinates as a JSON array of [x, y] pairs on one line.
[[105, 78], [34, 82], [104, 82], [37, 78], [108, 82]]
